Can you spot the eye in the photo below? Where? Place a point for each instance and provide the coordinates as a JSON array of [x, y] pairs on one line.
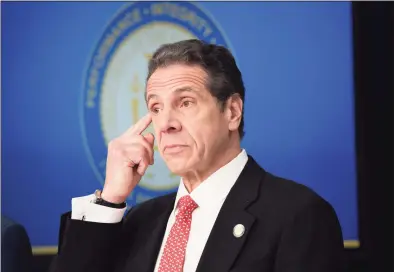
[[186, 103], [155, 109]]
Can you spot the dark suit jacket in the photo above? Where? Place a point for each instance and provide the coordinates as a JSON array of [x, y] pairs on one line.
[[16, 252], [289, 228]]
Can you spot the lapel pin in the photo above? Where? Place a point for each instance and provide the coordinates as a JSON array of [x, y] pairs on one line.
[[239, 230]]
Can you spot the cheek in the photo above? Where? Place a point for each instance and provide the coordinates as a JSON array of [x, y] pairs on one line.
[[201, 130], [213, 128]]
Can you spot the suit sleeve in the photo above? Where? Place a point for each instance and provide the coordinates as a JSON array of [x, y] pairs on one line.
[[312, 241], [87, 246]]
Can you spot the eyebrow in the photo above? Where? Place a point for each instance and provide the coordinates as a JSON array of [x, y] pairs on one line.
[[177, 91]]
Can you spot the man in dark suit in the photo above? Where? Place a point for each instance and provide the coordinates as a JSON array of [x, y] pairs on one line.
[[16, 252], [228, 214]]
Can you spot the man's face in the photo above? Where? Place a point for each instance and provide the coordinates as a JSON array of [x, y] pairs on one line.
[[190, 128]]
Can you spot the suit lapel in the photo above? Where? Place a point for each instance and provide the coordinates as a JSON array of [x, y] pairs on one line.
[[223, 246]]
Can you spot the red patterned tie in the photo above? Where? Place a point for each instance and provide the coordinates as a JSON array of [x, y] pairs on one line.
[[174, 251]]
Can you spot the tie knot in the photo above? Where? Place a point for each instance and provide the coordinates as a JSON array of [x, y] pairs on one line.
[[187, 204]]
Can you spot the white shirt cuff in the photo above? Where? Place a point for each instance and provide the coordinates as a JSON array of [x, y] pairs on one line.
[[83, 208]]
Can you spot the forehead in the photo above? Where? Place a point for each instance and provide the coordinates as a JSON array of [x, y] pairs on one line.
[[176, 76]]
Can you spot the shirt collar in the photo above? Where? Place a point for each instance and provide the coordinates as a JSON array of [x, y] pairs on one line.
[[216, 187]]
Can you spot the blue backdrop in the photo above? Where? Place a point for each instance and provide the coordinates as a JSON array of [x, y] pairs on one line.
[[296, 58]]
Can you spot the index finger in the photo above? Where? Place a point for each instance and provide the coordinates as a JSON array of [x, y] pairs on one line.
[[141, 125]]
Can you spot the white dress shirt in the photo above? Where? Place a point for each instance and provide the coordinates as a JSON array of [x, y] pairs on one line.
[[209, 196]]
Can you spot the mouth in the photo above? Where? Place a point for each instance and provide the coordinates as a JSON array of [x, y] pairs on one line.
[[173, 149]]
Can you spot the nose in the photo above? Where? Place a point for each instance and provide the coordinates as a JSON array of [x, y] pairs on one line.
[[168, 122]]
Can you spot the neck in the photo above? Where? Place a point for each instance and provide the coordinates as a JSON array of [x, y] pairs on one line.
[[193, 179]]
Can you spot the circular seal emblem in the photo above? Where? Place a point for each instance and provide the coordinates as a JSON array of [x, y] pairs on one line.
[[113, 97]]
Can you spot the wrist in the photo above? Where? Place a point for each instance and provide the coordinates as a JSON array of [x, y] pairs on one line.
[[103, 200], [113, 198]]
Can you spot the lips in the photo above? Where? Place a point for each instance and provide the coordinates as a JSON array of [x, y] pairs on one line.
[[174, 148]]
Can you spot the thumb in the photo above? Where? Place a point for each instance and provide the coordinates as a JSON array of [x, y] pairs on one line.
[[150, 138]]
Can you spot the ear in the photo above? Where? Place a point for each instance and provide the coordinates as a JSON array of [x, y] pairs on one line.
[[234, 112]]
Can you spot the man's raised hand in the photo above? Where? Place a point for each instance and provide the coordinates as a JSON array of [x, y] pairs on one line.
[[128, 157]]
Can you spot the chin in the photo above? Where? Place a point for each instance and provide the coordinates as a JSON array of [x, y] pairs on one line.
[[177, 166], [176, 169]]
